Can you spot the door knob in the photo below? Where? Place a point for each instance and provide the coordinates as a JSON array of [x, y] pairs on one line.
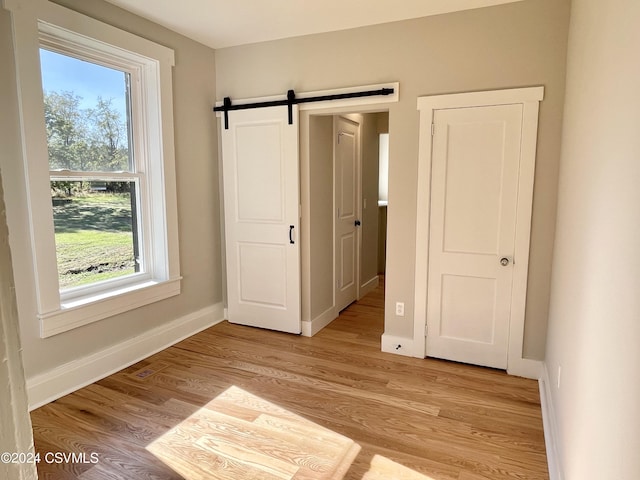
[[504, 261], [357, 223]]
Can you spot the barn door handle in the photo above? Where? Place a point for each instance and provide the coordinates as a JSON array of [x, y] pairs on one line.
[[291, 227]]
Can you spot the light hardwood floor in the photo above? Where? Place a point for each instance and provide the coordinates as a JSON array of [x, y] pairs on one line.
[[240, 403]]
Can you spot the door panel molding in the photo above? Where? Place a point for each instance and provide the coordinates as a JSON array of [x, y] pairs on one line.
[[529, 98]]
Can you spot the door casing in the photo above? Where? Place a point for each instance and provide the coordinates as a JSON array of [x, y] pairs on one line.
[[529, 98]]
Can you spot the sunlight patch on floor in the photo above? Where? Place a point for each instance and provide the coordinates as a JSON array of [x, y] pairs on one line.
[[384, 469], [239, 435]]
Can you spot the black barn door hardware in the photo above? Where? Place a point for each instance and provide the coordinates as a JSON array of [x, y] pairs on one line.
[[291, 100]]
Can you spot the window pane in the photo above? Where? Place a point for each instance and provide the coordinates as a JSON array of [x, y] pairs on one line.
[[86, 115], [95, 229]]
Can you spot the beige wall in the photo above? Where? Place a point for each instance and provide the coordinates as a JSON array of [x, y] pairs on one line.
[[594, 322], [321, 238], [197, 190], [514, 45], [369, 229], [382, 239]]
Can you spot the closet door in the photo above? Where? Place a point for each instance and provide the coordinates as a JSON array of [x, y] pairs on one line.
[[474, 199]]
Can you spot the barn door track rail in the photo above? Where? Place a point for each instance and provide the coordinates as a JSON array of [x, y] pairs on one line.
[[291, 100]]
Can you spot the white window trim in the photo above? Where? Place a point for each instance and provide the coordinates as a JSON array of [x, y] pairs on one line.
[[31, 21]]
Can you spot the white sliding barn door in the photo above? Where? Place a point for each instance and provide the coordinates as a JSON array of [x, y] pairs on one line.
[[261, 195], [474, 199]]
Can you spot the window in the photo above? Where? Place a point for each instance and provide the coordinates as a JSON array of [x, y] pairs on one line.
[[93, 171], [102, 209], [383, 169]]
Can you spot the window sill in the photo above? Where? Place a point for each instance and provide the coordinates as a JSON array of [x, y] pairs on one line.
[[83, 311]]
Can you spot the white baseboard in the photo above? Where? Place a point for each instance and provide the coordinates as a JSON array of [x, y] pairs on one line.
[[525, 367], [550, 426], [49, 386], [397, 345], [310, 328], [369, 286]]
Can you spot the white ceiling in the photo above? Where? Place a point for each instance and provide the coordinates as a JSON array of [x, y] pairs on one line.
[[225, 23]]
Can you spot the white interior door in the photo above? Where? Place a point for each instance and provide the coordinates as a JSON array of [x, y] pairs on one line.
[[474, 196], [261, 195], [346, 190]]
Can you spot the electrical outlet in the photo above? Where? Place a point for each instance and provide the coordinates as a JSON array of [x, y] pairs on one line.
[[559, 375], [400, 309]]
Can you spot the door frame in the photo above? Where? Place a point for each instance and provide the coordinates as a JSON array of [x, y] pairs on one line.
[[530, 99], [310, 324], [358, 182]]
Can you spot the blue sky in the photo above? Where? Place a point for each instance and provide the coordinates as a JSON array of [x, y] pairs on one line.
[[88, 80]]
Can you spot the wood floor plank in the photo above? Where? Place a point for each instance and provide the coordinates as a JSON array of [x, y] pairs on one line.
[[236, 402]]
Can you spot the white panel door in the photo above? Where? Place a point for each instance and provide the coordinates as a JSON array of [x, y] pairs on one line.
[[474, 196], [346, 202], [261, 195]]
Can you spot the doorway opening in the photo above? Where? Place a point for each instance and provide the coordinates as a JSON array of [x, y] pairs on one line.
[[347, 213]]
